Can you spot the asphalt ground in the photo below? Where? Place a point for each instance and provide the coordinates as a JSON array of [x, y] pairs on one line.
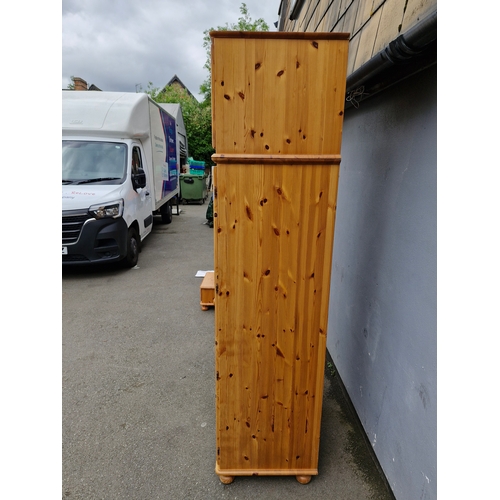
[[138, 386]]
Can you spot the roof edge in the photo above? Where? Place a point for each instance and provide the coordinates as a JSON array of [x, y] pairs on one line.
[[405, 56]]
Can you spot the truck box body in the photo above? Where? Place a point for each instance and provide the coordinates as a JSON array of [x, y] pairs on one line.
[[174, 109], [121, 163]]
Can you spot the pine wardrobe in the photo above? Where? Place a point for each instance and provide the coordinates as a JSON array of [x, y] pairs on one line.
[[277, 114]]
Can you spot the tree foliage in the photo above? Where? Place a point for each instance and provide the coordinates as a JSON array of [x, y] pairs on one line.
[[244, 23]]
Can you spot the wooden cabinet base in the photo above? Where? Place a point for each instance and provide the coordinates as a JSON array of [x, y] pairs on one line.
[[230, 479], [302, 476], [303, 479], [226, 479]]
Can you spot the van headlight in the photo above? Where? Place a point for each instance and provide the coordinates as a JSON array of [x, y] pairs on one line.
[[113, 209]]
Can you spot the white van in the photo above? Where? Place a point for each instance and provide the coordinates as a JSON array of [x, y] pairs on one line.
[[121, 158]]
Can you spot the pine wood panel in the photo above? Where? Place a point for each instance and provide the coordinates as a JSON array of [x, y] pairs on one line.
[[278, 105], [303, 111], [272, 312]]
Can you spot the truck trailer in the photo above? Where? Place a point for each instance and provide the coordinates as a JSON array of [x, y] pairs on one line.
[[121, 158]]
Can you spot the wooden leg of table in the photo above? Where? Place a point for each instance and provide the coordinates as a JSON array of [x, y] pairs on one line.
[[303, 479], [226, 479]]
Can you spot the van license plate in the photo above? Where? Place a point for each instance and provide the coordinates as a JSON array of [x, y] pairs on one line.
[[65, 250]]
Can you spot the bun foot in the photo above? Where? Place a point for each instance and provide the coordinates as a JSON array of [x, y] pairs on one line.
[[303, 479], [204, 308], [226, 479]]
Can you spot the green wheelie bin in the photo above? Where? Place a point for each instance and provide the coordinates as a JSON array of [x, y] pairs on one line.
[[193, 188]]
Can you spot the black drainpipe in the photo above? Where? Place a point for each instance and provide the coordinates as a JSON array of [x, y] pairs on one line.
[[406, 55]]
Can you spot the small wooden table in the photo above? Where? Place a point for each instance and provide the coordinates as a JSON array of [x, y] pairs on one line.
[[207, 291]]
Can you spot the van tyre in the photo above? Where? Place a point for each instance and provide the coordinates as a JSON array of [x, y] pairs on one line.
[[166, 213], [133, 243]]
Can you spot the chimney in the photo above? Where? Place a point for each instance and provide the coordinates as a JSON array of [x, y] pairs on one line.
[[80, 83]]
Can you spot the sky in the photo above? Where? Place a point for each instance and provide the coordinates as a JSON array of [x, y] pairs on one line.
[[124, 45]]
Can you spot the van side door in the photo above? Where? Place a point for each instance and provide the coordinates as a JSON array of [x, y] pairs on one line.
[[141, 202]]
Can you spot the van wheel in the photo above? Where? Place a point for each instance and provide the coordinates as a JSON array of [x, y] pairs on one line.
[[166, 213], [132, 256]]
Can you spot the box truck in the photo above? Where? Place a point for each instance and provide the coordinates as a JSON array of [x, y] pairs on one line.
[[121, 158]]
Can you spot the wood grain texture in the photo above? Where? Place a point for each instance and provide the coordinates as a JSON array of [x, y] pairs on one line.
[[274, 254], [278, 152], [278, 96]]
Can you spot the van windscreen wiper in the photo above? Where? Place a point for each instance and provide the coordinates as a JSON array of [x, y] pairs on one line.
[[98, 179]]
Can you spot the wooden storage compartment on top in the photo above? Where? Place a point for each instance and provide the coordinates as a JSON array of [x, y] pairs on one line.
[[278, 103], [207, 291]]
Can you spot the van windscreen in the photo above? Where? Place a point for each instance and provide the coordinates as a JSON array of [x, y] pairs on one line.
[[93, 161]]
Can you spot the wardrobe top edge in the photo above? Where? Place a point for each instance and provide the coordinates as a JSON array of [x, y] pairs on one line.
[[280, 35]]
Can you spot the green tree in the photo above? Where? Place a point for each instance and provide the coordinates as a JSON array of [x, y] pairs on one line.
[[197, 119], [244, 23]]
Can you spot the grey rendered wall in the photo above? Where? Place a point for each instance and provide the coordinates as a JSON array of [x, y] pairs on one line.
[[382, 319]]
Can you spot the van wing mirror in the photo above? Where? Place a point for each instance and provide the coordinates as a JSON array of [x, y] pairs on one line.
[[139, 179]]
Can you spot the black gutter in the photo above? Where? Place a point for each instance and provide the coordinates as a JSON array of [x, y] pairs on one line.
[[408, 54]]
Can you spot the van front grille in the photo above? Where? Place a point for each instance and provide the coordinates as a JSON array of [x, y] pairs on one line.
[[72, 224]]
